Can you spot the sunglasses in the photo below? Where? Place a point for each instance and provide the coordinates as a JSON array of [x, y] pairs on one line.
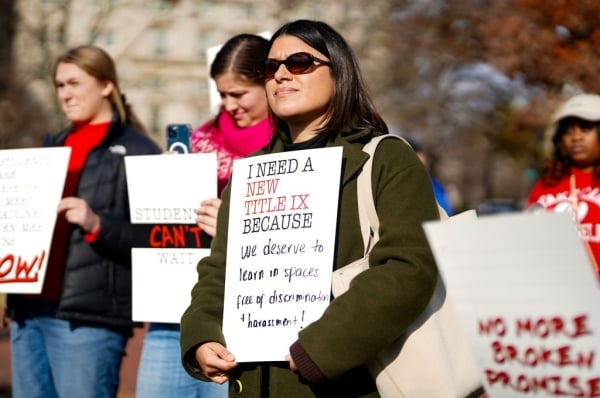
[[296, 64]]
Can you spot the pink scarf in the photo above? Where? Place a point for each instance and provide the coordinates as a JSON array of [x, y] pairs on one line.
[[222, 136]]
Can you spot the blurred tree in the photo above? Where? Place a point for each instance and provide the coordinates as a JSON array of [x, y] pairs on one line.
[[549, 42], [476, 80], [7, 21], [44, 30], [446, 82], [21, 118], [551, 45]]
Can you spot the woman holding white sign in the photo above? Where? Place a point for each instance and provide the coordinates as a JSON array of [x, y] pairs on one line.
[[241, 127], [68, 341], [318, 99]]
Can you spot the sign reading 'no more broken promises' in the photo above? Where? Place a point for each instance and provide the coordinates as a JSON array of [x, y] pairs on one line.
[[282, 221], [527, 297]]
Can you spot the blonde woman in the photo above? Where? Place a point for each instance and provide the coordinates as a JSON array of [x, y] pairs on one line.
[[69, 340]]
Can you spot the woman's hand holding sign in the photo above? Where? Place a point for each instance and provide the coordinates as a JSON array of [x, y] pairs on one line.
[[207, 215], [77, 211], [216, 361]]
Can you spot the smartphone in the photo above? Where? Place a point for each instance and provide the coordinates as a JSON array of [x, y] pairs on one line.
[[178, 137]]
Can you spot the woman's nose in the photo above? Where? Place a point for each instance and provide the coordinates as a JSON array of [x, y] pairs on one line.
[[577, 132], [229, 104]]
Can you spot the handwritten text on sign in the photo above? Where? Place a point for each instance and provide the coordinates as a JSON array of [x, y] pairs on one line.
[[543, 351], [31, 185], [528, 300], [282, 221], [167, 242]]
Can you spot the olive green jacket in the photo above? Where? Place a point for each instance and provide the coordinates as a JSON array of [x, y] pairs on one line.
[[381, 302]]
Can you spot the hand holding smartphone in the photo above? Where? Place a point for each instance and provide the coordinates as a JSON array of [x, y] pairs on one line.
[[178, 137]]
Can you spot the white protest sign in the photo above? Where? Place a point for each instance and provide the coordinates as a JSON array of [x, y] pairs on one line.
[[164, 190], [528, 298], [31, 186], [282, 224]]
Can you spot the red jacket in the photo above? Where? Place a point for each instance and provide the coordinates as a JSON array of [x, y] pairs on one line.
[[582, 201]]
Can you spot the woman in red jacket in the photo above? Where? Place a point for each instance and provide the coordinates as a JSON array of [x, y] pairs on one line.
[[570, 181]]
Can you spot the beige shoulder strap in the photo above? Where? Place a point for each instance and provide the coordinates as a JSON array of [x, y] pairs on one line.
[[369, 222]]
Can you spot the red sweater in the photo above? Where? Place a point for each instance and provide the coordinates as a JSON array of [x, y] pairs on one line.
[[229, 142], [81, 141]]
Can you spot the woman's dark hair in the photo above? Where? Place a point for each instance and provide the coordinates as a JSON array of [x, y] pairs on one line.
[[559, 166], [240, 55], [351, 106], [97, 63]]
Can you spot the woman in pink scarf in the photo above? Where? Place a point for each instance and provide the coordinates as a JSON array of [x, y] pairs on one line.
[[241, 127], [234, 133]]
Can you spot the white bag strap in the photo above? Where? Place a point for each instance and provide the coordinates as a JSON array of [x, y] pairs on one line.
[[369, 222], [367, 215]]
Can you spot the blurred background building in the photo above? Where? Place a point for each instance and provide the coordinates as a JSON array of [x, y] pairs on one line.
[[473, 80], [160, 46]]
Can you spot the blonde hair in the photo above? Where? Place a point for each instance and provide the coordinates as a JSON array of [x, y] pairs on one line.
[[97, 63]]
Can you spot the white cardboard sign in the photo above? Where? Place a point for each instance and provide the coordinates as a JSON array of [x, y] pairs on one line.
[[282, 224], [164, 190], [31, 186], [528, 298]]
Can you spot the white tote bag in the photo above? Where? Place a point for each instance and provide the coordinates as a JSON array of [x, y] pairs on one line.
[[432, 359]]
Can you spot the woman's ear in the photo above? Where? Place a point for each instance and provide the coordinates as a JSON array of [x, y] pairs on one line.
[[108, 88]]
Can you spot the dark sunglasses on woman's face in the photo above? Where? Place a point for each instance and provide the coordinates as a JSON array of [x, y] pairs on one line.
[[296, 63]]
